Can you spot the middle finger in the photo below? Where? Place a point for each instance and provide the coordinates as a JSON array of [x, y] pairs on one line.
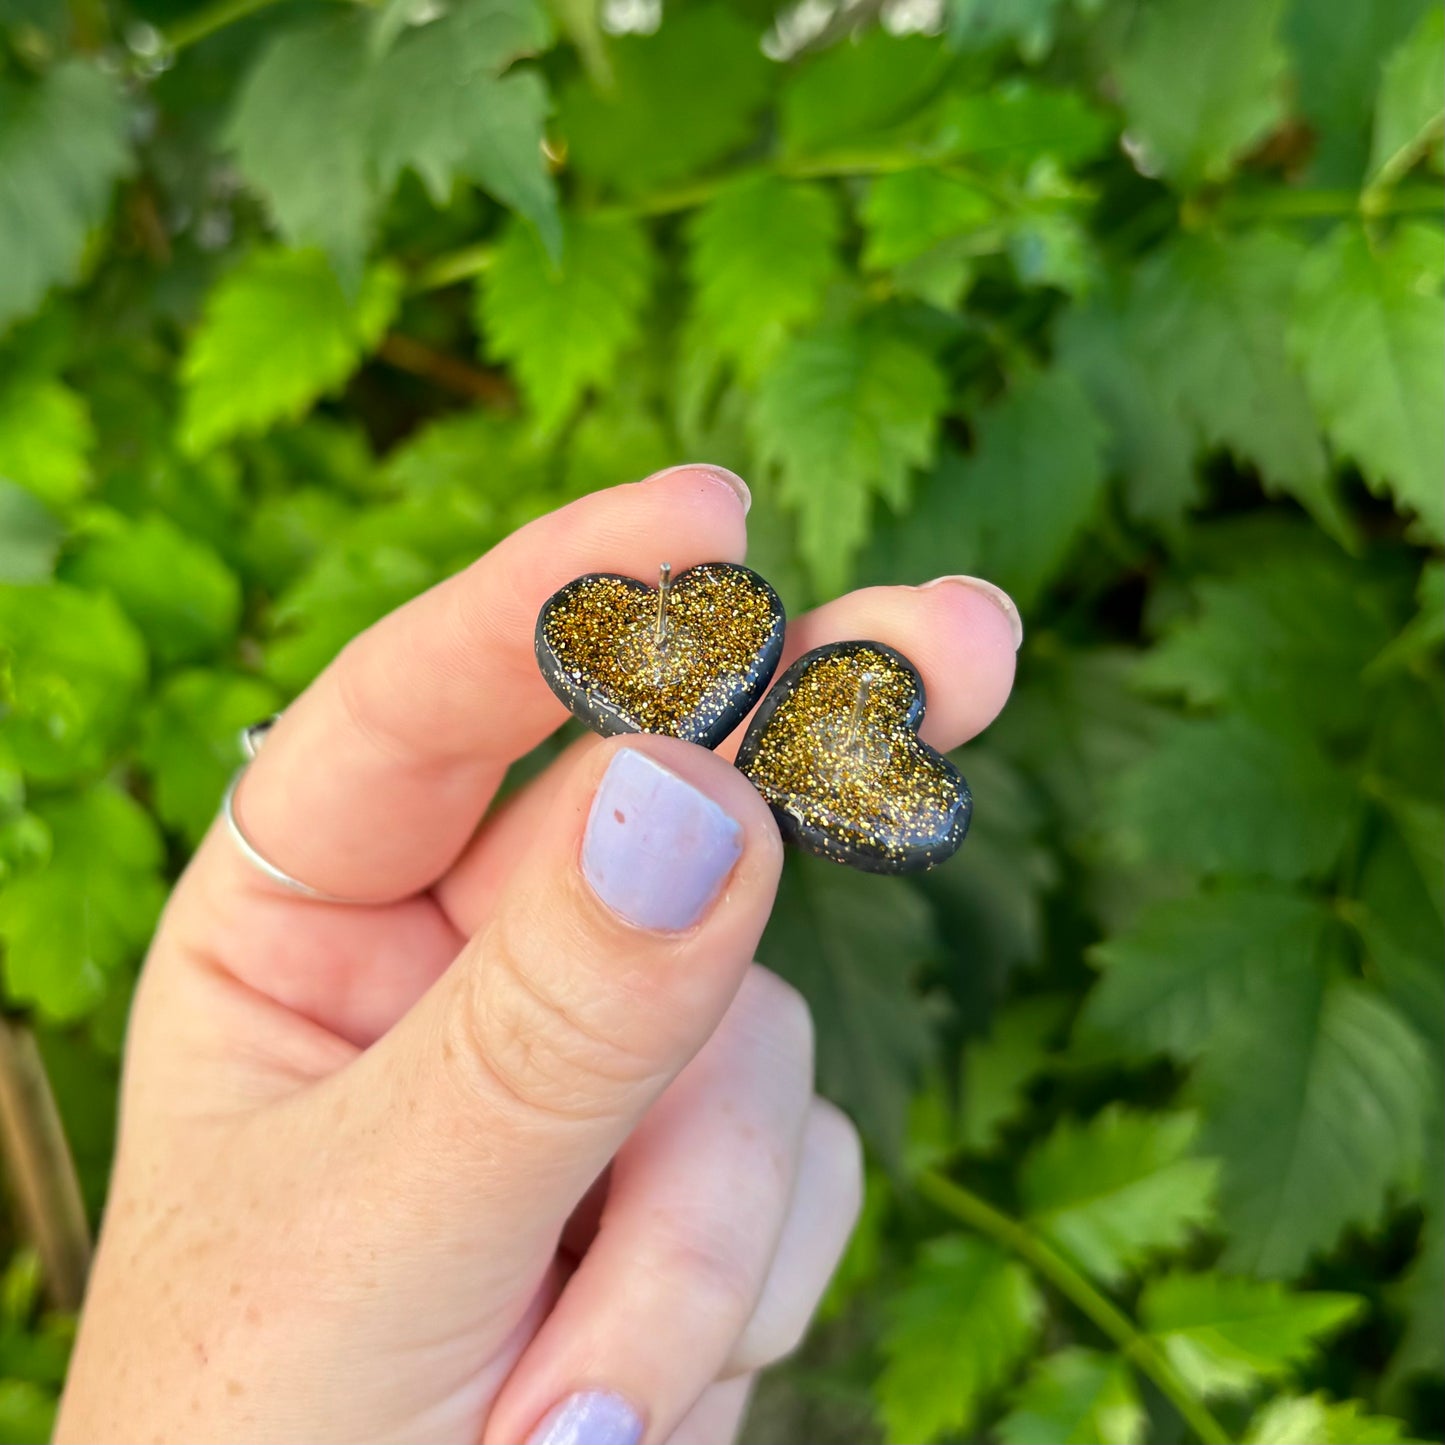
[[695, 1205]]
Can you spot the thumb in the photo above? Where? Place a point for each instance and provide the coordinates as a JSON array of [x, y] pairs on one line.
[[607, 963]]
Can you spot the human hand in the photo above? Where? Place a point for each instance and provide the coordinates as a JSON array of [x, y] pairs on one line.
[[522, 1145]]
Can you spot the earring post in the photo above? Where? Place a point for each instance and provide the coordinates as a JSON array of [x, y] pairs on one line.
[[664, 585]]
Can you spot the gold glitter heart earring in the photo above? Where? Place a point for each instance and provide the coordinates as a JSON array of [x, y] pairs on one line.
[[688, 658], [835, 751]]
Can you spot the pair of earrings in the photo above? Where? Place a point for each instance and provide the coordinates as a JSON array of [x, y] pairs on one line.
[[834, 748]]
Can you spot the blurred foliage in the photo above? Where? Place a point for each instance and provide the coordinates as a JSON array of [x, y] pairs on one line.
[[1131, 305]]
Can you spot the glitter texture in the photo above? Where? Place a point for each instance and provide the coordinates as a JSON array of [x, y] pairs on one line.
[[835, 751], [598, 647]]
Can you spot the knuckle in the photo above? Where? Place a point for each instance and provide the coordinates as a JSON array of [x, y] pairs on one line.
[[348, 680], [708, 1258], [836, 1138], [771, 1335], [527, 1040]]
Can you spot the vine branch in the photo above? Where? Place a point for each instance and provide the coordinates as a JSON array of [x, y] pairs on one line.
[[408, 354], [40, 1167], [1138, 1348], [214, 17]]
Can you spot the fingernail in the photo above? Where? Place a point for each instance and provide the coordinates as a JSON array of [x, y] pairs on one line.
[[590, 1417], [996, 595], [656, 850], [730, 480]]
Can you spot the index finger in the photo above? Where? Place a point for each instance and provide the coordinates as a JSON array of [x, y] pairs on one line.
[[374, 778]]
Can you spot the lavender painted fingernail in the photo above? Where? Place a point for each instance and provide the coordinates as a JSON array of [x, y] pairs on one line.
[[656, 850], [590, 1417]]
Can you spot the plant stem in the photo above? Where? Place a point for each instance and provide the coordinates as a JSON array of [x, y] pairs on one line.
[[470, 261], [408, 354], [1138, 1348], [216, 17], [40, 1168], [1306, 205], [454, 266], [209, 20]]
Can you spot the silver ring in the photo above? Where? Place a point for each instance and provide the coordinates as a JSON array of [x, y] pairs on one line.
[[251, 739]]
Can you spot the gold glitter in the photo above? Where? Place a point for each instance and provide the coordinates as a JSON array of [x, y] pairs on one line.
[[840, 756], [720, 632]]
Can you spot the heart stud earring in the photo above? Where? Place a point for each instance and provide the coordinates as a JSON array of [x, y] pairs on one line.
[[835, 751], [688, 658]]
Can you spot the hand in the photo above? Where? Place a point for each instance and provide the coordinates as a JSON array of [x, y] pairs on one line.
[[523, 1145]]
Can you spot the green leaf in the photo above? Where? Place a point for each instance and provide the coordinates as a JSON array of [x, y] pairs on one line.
[[1014, 125], [1075, 725], [278, 333], [1190, 966], [1367, 336], [682, 99], [1421, 825], [1315, 1420], [1049, 246], [1422, 636], [500, 150], [29, 536], [1027, 24], [846, 95], [345, 591], [440, 106], [1032, 484], [1410, 111], [1230, 795], [562, 328], [27, 1412], [477, 450], [1202, 81], [45, 437], [70, 927], [762, 253], [1114, 1191], [63, 146], [1149, 442], [327, 119], [1421, 1295], [997, 1069], [299, 132], [849, 943], [992, 906], [1314, 623], [617, 438], [1210, 315], [1339, 50], [909, 212], [958, 1329], [1076, 1397], [1224, 1335], [1316, 1112], [188, 742], [71, 667], [184, 599], [844, 414], [1015, 507]]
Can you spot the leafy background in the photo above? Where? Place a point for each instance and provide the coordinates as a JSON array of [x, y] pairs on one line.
[[1134, 307]]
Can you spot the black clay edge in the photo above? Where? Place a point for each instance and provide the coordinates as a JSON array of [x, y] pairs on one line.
[[816, 840], [610, 720]]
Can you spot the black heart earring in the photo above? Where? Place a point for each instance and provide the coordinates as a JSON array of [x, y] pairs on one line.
[[688, 658], [835, 751]]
